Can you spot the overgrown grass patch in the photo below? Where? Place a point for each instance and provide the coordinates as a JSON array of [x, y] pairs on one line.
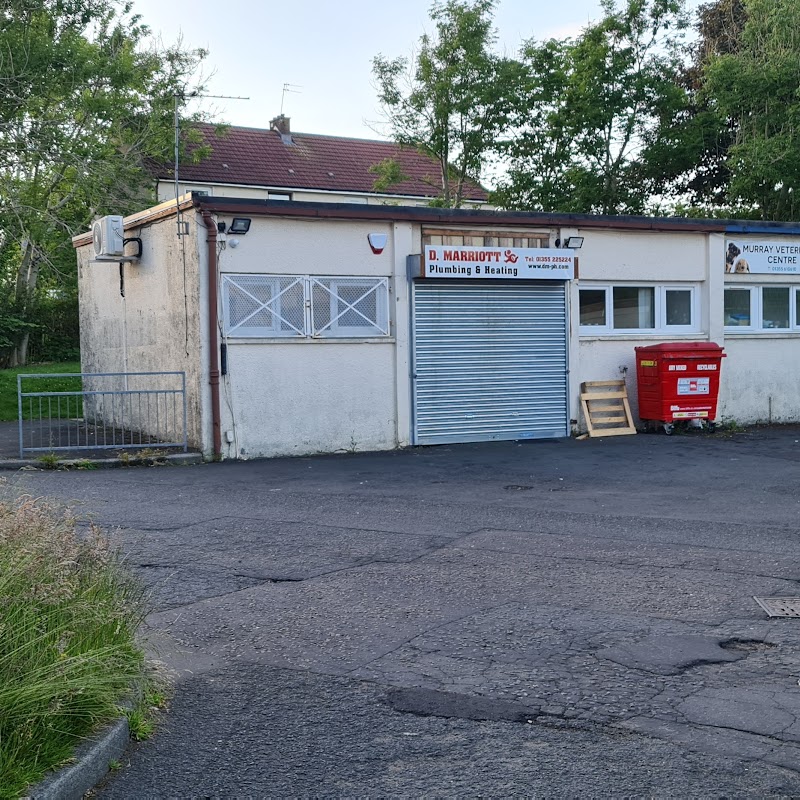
[[68, 656], [8, 384]]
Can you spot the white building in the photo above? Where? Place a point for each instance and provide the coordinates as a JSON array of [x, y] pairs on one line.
[[329, 327]]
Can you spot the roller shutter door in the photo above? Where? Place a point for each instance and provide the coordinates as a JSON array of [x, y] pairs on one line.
[[490, 362]]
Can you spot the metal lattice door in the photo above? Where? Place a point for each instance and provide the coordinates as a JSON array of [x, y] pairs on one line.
[[490, 362]]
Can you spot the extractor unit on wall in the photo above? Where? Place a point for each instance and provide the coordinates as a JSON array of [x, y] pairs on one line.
[[108, 238]]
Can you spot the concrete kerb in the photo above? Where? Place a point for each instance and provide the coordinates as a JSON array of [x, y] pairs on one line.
[[92, 762], [174, 459]]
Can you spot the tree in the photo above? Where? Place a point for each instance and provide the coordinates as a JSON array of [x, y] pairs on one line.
[[755, 86], [541, 170], [589, 111], [452, 100], [85, 103], [688, 151]]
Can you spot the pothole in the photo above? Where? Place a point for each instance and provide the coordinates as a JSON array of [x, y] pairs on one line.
[[266, 579], [790, 490], [436, 703], [746, 645], [670, 655]]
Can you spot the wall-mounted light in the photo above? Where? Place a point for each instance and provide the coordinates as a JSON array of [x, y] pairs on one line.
[[574, 242], [239, 225]]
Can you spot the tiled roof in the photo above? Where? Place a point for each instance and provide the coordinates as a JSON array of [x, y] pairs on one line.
[[259, 157]]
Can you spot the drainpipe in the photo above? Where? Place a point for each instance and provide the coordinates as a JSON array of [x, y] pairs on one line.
[[213, 325]]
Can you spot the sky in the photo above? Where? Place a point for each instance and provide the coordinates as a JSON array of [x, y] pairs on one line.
[[324, 49]]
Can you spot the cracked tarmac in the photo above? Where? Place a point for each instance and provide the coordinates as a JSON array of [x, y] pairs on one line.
[[552, 618]]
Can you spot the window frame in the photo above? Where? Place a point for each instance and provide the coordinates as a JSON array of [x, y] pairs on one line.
[[754, 315], [273, 306], [794, 308], [367, 283], [462, 237], [660, 309], [756, 326]]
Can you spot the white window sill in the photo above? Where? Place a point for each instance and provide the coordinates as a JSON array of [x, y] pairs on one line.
[[767, 334], [657, 336]]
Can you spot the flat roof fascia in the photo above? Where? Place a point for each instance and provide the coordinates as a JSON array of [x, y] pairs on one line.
[[463, 216], [445, 216]]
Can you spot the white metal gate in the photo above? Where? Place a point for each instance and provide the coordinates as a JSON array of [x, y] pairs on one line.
[[490, 362]]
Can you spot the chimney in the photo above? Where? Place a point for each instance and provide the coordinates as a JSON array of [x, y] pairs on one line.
[[280, 124]]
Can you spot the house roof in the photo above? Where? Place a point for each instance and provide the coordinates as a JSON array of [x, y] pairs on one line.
[[260, 157]]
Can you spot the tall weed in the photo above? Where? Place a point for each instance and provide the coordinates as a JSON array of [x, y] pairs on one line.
[[68, 655]]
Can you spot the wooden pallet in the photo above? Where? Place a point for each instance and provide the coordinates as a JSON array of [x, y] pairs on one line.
[[606, 409]]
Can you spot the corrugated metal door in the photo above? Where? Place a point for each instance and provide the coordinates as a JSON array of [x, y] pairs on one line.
[[490, 362]]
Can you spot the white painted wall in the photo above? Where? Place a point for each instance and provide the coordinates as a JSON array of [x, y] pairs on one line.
[[298, 398], [646, 258], [760, 377], [604, 360], [318, 396], [761, 374], [308, 396], [289, 246], [156, 326], [609, 255]]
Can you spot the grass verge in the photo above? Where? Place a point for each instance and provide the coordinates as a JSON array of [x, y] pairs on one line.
[[8, 384], [68, 656]]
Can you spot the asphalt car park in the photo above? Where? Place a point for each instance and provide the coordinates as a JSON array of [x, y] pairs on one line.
[[546, 618]]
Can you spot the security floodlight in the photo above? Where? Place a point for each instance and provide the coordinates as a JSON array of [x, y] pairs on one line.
[[239, 225]]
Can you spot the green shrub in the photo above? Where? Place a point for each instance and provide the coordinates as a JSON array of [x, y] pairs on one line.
[[51, 324], [56, 336], [13, 326], [68, 656]]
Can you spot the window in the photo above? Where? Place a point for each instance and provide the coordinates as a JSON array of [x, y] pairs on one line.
[[258, 306], [349, 307], [797, 308], [678, 307], [634, 307], [486, 238], [638, 309], [754, 309], [738, 308], [263, 305], [593, 307], [775, 309]]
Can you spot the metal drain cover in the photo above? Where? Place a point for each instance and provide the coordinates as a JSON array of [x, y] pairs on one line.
[[780, 606]]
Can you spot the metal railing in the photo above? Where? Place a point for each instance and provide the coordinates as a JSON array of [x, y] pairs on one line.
[[102, 411]]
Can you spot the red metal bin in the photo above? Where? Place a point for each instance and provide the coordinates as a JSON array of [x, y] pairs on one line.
[[678, 381]]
